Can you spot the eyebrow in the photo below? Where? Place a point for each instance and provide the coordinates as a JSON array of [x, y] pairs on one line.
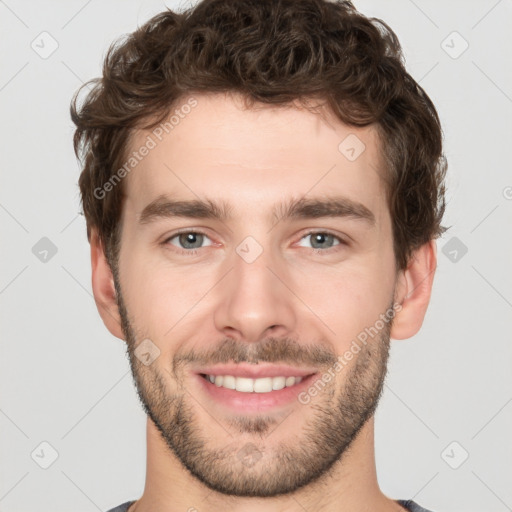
[[305, 208]]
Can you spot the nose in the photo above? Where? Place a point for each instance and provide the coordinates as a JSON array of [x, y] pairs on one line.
[[255, 299]]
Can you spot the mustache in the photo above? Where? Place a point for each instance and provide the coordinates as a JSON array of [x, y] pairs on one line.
[[270, 350]]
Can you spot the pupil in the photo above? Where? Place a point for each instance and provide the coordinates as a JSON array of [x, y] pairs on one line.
[[189, 238], [321, 238]]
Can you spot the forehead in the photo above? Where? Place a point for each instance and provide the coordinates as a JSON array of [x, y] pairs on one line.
[[211, 146]]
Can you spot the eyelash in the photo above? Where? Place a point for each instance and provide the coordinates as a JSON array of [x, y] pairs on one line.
[[193, 252]]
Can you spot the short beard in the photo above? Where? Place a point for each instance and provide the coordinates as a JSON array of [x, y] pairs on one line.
[[252, 469]]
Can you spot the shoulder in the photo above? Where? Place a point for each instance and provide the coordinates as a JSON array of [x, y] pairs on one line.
[[121, 508], [412, 506]]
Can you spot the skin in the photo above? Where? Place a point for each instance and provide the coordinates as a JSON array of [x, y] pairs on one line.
[[308, 305]]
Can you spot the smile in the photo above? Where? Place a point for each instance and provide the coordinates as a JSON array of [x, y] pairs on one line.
[[247, 385]]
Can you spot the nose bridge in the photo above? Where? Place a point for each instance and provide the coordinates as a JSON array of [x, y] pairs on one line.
[[253, 297], [251, 272]]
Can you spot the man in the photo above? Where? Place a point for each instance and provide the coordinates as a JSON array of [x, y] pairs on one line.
[[263, 185]]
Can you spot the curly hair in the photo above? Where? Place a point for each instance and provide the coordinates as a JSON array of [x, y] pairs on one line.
[[272, 52]]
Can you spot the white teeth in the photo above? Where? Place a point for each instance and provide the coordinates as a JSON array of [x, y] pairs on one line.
[[228, 381], [278, 383], [246, 385], [263, 385]]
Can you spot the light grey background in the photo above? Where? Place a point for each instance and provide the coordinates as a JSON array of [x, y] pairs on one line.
[[65, 380]]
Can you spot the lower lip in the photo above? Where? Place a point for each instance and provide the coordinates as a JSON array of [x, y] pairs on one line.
[[254, 402]]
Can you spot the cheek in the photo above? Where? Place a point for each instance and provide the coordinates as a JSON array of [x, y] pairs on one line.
[[142, 289], [348, 299], [161, 297], [165, 299]]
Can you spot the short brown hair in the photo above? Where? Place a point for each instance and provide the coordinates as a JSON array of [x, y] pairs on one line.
[[273, 52]]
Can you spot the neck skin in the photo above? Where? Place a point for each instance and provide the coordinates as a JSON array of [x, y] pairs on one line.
[[352, 485]]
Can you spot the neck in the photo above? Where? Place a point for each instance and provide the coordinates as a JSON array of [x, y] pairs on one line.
[[350, 485]]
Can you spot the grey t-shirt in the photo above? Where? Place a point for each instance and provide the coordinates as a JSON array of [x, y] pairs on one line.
[[408, 504]]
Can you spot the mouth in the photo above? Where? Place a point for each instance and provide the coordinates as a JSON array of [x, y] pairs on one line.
[[249, 385], [248, 389]]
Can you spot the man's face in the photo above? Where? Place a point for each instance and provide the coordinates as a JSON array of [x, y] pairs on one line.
[[255, 290]]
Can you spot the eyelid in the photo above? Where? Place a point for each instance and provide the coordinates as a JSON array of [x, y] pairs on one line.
[[311, 231], [186, 230]]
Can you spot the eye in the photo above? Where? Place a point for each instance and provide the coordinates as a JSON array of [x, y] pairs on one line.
[[188, 241], [323, 240]]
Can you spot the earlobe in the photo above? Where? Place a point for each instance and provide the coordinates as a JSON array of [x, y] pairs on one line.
[[414, 288], [103, 287]]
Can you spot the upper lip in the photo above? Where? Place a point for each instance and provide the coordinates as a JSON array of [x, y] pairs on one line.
[[258, 371]]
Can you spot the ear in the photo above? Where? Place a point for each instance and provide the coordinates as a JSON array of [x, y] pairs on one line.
[[103, 287], [414, 287]]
